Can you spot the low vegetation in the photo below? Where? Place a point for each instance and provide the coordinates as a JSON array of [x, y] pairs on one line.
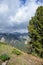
[[16, 51], [4, 57]]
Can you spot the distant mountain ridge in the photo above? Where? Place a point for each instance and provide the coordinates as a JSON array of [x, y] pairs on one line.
[[13, 36]]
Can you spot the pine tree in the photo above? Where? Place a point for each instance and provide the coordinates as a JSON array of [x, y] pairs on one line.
[[35, 29]]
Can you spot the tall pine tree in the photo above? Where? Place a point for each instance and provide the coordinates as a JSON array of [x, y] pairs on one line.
[[35, 29]]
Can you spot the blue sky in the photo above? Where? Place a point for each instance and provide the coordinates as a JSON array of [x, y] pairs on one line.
[[15, 14]]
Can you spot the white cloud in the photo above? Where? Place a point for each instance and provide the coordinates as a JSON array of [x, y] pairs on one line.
[[24, 13], [20, 31], [3, 8], [14, 16]]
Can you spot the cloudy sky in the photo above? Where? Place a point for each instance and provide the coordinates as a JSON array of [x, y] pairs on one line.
[[15, 14]]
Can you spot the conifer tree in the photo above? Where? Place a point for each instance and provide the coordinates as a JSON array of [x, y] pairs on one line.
[[35, 29]]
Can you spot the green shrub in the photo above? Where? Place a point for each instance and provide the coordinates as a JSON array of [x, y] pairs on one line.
[[4, 57], [16, 51]]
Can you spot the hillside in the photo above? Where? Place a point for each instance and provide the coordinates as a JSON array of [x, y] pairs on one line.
[[22, 59], [16, 39]]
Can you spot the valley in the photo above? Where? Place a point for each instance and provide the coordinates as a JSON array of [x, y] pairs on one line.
[[17, 40]]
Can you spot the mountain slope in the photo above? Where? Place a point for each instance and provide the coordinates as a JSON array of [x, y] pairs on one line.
[[15, 39], [23, 59]]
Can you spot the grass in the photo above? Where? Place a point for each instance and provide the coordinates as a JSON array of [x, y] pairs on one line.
[[16, 51], [18, 57], [5, 49]]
